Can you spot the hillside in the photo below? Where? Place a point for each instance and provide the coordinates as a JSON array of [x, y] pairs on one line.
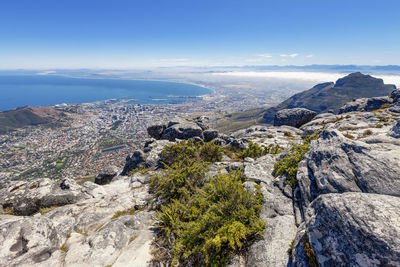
[[29, 116]]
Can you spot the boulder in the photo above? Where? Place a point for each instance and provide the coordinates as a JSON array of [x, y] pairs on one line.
[[203, 122], [336, 164], [136, 160], [106, 175], [210, 135], [27, 198], [395, 95], [182, 130], [156, 130], [395, 132], [365, 104], [355, 229], [295, 117]]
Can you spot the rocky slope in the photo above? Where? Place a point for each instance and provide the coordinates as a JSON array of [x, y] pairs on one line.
[[343, 210]]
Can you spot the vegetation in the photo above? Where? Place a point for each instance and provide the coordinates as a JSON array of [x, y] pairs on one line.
[[290, 249], [202, 222], [310, 253], [379, 125], [288, 165], [123, 213], [367, 132], [63, 248], [46, 210], [255, 151], [347, 135]]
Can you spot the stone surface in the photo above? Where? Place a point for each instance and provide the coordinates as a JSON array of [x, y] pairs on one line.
[[355, 229], [135, 161], [365, 104], [155, 131], [336, 164], [106, 175], [295, 117], [182, 130], [27, 198], [210, 135]]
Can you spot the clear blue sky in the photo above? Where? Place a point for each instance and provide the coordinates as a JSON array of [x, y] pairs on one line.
[[123, 34]]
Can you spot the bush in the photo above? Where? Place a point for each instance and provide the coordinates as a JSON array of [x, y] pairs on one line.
[[367, 132], [288, 165], [202, 223], [216, 222], [210, 152], [255, 151]]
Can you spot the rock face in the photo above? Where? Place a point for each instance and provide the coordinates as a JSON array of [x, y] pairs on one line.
[[106, 175], [27, 198], [336, 164], [110, 225], [182, 130], [295, 117], [155, 131], [365, 104], [355, 229]]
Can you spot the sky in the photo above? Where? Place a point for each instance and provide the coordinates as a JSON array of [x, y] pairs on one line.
[[45, 34]]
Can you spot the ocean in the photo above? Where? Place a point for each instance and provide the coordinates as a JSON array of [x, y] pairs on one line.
[[43, 90]]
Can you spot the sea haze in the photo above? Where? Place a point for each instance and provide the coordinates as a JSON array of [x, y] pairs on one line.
[[43, 90]]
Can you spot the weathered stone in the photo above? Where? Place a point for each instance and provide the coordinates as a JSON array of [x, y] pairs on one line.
[[295, 117], [210, 135], [365, 104], [28, 198], [203, 122], [182, 130], [106, 175], [355, 229], [155, 131], [336, 164], [395, 95], [136, 160]]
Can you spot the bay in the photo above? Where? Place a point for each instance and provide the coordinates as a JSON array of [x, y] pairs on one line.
[[43, 90]]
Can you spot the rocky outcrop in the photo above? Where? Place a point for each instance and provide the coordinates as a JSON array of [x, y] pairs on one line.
[[365, 104], [295, 117], [355, 229], [27, 198], [336, 164], [106, 176]]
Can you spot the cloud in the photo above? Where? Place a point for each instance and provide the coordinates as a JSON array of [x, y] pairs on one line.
[[265, 55], [290, 55], [254, 60], [309, 56]]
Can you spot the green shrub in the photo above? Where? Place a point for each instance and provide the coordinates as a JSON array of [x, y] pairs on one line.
[[379, 125], [367, 132], [216, 222], [255, 151], [288, 165], [310, 253], [210, 152], [202, 223], [349, 136], [181, 152], [290, 249]]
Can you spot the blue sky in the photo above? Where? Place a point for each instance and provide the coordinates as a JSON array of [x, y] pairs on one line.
[[150, 33]]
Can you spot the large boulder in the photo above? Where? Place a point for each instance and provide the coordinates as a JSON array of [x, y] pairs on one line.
[[365, 104], [156, 130], [106, 175], [182, 130], [395, 95], [132, 162], [355, 229], [27, 198], [336, 164], [295, 117]]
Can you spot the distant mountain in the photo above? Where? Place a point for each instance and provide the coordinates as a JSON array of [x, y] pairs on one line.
[[28, 116], [331, 96]]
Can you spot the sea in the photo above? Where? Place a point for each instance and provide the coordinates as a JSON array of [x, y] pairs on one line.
[[44, 90]]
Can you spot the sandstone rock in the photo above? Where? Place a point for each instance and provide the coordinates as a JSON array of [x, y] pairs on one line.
[[203, 122], [182, 130], [155, 131], [365, 104], [136, 160], [295, 117], [27, 198], [336, 164], [395, 132], [210, 135], [106, 175], [355, 229], [395, 95]]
